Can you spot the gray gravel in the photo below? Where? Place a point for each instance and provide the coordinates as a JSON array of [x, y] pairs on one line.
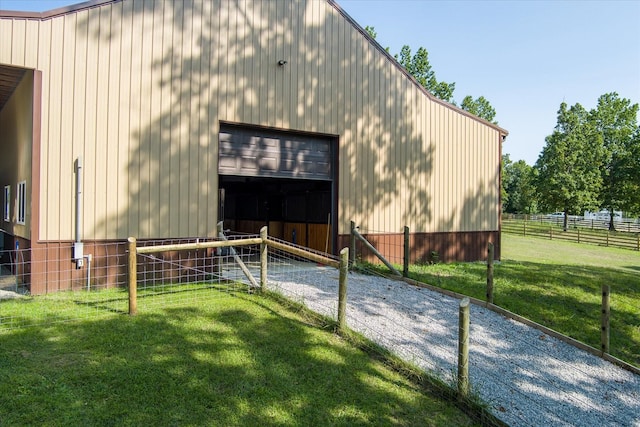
[[528, 378]]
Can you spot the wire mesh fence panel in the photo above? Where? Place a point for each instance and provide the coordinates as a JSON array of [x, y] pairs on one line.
[[93, 290], [390, 244], [177, 277]]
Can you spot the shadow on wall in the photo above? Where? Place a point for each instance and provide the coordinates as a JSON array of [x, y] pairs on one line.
[[197, 76], [172, 162]]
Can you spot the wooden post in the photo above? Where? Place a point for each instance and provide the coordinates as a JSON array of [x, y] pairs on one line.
[[525, 229], [463, 349], [132, 277], [606, 314], [638, 242], [405, 269], [264, 258], [342, 289], [352, 245], [490, 255], [578, 234]]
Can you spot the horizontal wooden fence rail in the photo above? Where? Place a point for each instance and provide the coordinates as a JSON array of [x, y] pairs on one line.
[[616, 239], [198, 245], [264, 241]]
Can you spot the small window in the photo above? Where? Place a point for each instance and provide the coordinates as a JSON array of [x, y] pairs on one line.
[[7, 203], [22, 202]]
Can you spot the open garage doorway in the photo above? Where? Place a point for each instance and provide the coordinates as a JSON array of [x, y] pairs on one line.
[[280, 179], [295, 211]]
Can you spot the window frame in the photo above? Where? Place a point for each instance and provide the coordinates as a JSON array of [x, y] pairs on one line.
[[21, 203], [6, 215]]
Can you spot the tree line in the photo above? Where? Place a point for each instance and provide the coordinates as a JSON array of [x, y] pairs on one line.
[[590, 161]]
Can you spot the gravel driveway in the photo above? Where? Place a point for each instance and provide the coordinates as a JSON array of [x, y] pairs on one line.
[[528, 378]]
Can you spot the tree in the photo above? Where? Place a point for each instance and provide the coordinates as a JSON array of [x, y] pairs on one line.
[[568, 175], [371, 31], [480, 107], [615, 120], [419, 67], [519, 185], [633, 208]]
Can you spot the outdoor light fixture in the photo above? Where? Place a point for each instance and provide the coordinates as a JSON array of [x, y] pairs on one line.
[[282, 62]]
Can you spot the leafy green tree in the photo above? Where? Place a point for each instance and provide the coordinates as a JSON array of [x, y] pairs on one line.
[[519, 184], [633, 209], [505, 178], [569, 179], [480, 107], [419, 67], [371, 31], [615, 120]]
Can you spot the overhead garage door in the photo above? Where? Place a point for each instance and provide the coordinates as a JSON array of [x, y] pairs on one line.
[[266, 153]]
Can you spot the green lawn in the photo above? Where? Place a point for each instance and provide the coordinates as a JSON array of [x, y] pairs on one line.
[[557, 284], [230, 360]]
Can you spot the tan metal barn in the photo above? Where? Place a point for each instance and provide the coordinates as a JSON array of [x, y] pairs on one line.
[[182, 113]]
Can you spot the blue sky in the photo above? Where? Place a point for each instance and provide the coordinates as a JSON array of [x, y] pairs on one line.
[[525, 57]]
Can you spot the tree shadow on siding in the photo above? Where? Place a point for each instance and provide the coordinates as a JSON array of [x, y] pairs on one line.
[[203, 63]]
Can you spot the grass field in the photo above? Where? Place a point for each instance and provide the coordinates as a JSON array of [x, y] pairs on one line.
[[557, 284], [231, 360]]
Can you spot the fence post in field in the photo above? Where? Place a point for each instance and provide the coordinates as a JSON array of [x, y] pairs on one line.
[[490, 255], [352, 245], [263, 258], [550, 233], [405, 269], [638, 242], [607, 238], [132, 276], [578, 234], [463, 349], [524, 227], [606, 314], [342, 289]]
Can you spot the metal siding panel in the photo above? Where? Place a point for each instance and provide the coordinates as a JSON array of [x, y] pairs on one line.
[[67, 155], [178, 114], [102, 170], [90, 126], [8, 37], [181, 220], [31, 45], [222, 63], [43, 35], [165, 132], [79, 106], [18, 42], [56, 196], [321, 67], [125, 203], [153, 127], [211, 154], [194, 118], [202, 197], [117, 170]]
